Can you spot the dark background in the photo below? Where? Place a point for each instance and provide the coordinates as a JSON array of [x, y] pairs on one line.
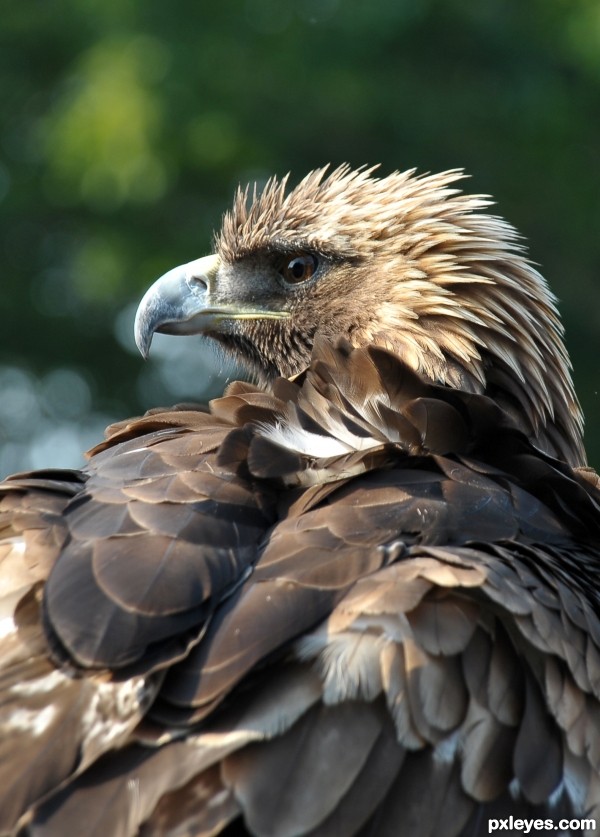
[[126, 125]]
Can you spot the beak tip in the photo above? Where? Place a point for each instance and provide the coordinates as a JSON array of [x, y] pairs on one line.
[[143, 335], [144, 347]]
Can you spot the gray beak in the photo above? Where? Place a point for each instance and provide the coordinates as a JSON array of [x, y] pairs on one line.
[[177, 303], [183, 302]]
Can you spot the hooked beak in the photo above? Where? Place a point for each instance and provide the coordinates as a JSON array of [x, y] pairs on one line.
[[181, 302]]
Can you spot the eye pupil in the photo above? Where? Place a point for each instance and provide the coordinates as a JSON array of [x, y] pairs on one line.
[[300, 268]]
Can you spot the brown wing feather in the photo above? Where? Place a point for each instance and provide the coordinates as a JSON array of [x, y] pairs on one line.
[[377, 631]]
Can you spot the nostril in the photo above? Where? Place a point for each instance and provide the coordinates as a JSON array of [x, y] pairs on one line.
[[200, 275], [197, 283]]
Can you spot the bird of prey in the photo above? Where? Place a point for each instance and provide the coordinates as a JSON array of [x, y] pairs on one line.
[[357, 596]]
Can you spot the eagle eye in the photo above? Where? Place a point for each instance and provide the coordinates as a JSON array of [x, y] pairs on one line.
[[299, 268]]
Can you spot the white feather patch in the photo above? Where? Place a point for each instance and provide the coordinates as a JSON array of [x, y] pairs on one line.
[[40, 686], [7, 626], [348, 663], [315, 444], [34, 722]]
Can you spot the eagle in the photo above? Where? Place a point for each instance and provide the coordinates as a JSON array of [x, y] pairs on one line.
[[355, 595]]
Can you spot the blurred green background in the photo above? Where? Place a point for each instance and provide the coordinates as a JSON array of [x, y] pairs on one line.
[[126, 125]]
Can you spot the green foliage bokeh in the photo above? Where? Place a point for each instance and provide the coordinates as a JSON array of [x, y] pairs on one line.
[[126, 124]]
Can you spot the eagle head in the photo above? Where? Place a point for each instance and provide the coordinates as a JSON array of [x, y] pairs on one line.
[[406, 262]]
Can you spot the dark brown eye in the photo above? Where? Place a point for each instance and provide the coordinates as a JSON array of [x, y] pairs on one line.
[[299, 269]]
